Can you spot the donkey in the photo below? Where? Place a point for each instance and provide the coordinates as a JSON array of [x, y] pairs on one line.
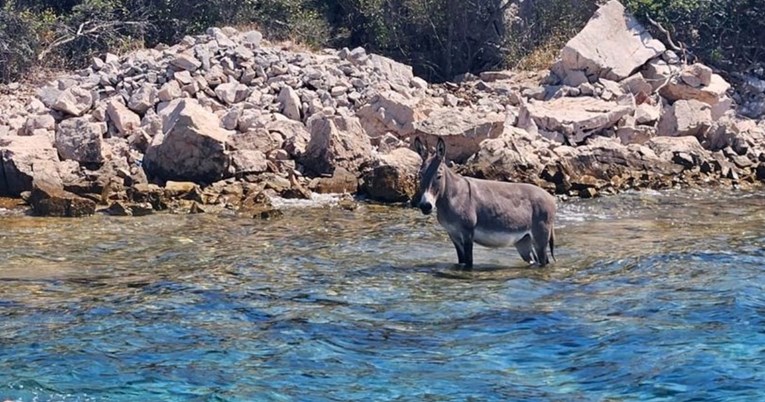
[[490, 213]]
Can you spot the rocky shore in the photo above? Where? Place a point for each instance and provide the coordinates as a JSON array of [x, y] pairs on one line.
[[227, 120]]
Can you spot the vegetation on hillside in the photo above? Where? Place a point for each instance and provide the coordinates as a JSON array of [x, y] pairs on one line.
[[440, 38]]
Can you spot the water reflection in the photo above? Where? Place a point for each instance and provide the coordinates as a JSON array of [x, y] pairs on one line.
[[653, 296]]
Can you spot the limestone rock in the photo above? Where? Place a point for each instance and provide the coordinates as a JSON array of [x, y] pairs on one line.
[[576, 118], [392, 177], [192, 147], [711, 94], [143, 99], [685, 117], [391, 112], [74, 101], [50, 199], [336, 141], [248, 161], [21, 159], [186, 62], [341, 181], [462, 131], [612, 45], [123, 119], [80, 140], [290, 103]]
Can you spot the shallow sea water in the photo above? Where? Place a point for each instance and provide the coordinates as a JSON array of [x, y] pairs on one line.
[[654, 296]]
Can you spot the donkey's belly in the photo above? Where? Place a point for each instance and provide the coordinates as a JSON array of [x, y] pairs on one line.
[[490, 238]]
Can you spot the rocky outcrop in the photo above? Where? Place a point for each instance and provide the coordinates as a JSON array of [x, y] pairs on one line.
[[244, 120], [191, 147], [612, 45]]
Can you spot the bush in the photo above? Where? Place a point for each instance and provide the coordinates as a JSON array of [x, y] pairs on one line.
[[18, 45], [727, 34]]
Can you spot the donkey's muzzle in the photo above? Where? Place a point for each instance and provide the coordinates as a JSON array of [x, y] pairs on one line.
[[426, 207]]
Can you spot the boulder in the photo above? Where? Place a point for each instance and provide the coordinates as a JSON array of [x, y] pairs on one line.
[[290, 103], [80, 140], [392, 177], [612, 45], [39, 121], [576, 118], [685, 117], [391, 71], [248, 161], [50, 199], [123, 119], [341, 181], [256, 140], [143, 99], [683, 150], [335, 141], [462, 131], [391, 112], [186, 62], [696, 75], [232, 92], [191, 148], [517, 155], [711, 94], [74, 101], [21, 159]]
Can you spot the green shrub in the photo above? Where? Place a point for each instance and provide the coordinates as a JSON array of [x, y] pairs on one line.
[[18, 45]]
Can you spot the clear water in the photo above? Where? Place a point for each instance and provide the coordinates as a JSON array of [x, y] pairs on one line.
[[654, 297]]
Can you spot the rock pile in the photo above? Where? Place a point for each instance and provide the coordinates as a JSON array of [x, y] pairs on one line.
[[228, 119]]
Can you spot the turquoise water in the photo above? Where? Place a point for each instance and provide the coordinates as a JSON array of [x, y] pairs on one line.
[[654, 297]]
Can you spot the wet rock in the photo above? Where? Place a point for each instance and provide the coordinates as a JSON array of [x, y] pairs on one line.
[[612, 45], [342, 181], [335, 141], [21, 159], [392, 177], [121, 208], [462, 131], [80, 140], [193, 147], [50, 199]]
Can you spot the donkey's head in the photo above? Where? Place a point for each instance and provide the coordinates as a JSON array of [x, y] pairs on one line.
[[432, 175]]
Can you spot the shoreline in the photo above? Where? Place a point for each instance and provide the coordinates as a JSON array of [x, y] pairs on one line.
[[228, 120]]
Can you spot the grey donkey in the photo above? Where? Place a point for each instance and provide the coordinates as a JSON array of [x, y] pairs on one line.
[[490, 213]]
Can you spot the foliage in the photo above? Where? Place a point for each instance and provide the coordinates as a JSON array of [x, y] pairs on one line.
[[726, 33], [439, 38]]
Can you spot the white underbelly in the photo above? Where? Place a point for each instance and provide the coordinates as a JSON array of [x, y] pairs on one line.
[[497, 238]]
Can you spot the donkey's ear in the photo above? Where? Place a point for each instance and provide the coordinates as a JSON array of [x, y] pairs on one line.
[[420, 148], [441, 148]]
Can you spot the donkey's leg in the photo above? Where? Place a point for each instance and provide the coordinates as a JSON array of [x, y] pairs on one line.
[[467, 245], [459, 246], [525, 248], [541, 235]]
